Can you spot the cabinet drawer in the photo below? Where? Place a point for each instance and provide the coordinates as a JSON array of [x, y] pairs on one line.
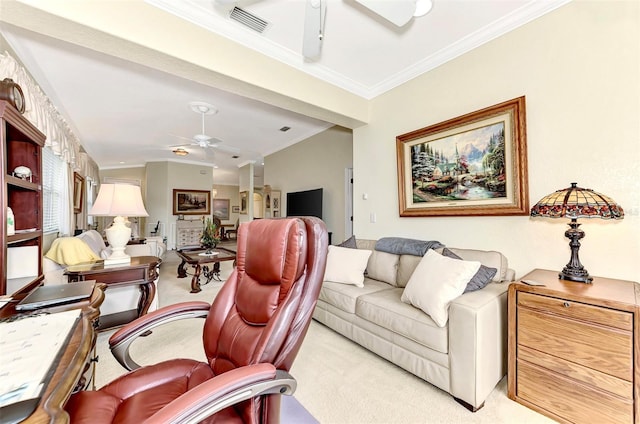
[[582, 374], [565, 398], [581, 311], [605, 349]]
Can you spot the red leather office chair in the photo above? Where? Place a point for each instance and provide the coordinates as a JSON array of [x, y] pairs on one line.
[[252, 333]]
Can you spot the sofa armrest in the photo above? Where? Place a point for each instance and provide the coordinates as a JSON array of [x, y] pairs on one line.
[[53, 272], [478, 342]]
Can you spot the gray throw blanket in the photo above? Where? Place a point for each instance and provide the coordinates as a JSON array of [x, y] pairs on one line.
[[405, 246]]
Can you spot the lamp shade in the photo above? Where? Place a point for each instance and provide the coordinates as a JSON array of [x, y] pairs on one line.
[[576, 202], [118, 200]]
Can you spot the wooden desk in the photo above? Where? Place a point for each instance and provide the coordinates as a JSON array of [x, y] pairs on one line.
[[71, 371], [142, 271]]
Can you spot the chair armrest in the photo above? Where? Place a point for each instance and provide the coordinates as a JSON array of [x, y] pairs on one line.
[[121, 340], [223, 391]]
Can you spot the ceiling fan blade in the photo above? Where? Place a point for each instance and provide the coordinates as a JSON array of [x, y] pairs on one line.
[[314, 19], [398, 12]]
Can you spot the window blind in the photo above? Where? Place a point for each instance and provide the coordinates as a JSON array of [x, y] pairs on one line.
[[52, 190]]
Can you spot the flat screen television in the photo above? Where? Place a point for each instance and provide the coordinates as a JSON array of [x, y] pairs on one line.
[[305, 203]]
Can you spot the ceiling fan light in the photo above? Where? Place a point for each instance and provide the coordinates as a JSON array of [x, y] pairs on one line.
[[422, 7], [180, 152]]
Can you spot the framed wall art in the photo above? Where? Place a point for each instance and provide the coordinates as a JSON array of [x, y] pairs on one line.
[[220, 208], [191, 202], [235, 209], [475, 164], [244, 198], [78, 192]]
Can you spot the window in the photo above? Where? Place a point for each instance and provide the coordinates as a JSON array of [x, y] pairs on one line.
[[53, 173]]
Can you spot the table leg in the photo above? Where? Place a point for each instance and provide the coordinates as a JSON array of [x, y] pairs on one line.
[[207, 273], [216, 271], [195, 281], [181, 271], [147, 293]]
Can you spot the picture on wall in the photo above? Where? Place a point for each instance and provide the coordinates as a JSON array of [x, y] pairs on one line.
[[220, 208], [235, 209], [78, 192], [474, 164], [243, 202], [191, 202]]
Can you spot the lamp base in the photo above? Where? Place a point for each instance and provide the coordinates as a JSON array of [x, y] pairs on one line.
[[118, 236], [580, 277], [117, 261], [574, 271]]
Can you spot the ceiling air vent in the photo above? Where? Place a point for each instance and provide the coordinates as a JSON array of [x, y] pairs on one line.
[[249, 20]]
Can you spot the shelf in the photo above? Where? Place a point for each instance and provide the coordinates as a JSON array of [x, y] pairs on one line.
[[23, 284], [19, 237], [18, 182]]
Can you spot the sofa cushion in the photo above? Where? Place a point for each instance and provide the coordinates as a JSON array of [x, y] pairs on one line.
[[478, 281], [383, 267], [349, 243], [94, 240], [489, 258], [385, 309], [346, 265], [407, 265], [343, 296], [436, 281]]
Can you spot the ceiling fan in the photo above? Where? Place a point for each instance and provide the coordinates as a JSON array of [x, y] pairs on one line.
[[398, 12], [203, 140]]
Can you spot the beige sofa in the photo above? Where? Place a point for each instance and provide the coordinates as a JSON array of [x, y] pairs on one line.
[[117, 299], [466, 357]]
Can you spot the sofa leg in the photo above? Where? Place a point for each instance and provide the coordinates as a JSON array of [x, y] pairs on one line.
[[468, 405]]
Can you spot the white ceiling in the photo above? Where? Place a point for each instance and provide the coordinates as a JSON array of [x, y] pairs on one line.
[[126, 114]]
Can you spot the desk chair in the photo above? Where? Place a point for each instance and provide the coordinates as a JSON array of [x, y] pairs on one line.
[[233, 231], [252, 334]]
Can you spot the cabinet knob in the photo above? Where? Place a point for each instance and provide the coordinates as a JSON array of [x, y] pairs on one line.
[[566, 304]]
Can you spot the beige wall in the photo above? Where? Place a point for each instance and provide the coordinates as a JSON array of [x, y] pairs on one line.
[[318, 162], [579, 70], [162, 178]]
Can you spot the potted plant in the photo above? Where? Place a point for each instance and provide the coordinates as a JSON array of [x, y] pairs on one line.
[[209, 238]]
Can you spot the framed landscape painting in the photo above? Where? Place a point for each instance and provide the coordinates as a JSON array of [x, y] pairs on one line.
[[221, 208], [191, 202], [475, 164]]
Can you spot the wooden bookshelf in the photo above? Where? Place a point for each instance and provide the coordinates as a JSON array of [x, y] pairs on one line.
[[22, 145]]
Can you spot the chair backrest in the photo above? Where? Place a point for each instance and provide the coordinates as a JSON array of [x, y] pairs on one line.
[[264, 309], [155, 231]]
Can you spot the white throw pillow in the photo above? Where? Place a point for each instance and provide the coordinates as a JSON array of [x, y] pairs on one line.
[[436, 281], [346, 265]]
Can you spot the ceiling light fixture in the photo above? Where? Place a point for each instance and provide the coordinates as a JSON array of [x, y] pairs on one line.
[[180, 152]]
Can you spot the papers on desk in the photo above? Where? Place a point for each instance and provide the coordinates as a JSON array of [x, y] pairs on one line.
[[29, 347]]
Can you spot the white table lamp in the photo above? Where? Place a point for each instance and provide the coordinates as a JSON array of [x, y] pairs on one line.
[[121, 201]]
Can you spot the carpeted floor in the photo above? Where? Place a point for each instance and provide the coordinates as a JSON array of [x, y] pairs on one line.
[[338, 381]]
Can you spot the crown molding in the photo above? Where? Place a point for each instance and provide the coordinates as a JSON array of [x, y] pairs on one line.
[[202, 16]]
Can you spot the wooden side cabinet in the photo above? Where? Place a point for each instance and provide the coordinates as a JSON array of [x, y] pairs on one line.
[[573, 348]]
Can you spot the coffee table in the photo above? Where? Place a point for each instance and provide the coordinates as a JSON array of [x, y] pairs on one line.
[[198, 260]]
